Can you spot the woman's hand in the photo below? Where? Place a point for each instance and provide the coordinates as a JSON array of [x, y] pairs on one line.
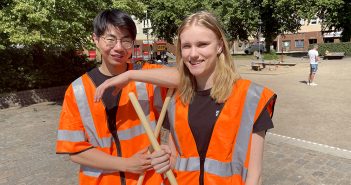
[[160, 160], [139, 162], [118, 82]]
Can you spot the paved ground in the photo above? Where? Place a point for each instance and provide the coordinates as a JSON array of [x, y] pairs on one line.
[[310, 144]]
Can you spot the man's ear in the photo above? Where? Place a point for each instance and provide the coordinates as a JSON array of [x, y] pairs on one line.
[[95, 38], [96, 41]]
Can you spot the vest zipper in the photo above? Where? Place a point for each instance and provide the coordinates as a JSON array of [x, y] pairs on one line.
[[202, 170], [111, 121], [119, 154]]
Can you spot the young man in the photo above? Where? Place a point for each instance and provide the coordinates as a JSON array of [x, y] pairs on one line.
[[106, 138], [314, 58]]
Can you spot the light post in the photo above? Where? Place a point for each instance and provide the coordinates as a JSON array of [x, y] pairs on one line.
[[259, 38], [146, 29]]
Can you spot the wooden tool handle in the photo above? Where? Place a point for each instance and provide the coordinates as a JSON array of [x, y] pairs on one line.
[[149, 133], [163, 112], [159, 124]]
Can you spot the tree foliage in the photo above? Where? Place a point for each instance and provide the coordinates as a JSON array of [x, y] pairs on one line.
[[55, 23], [281, 16], [336, 16], [240, 18], [39, 40], [166, 15], [68, 23]]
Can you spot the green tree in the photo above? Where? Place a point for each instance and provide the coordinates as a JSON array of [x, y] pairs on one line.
[[336, 16], [237, 17], [280, 16], [55, 23], [166, 15], [39, 39], [240, 18]]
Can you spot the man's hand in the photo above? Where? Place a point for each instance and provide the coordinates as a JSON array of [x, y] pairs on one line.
[[160, 160], [118, 82], [139, 162]]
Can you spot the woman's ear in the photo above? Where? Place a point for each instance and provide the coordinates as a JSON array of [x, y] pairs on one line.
[[220, 47], [219, 51]]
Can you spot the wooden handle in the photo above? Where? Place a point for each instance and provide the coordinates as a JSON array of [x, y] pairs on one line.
[[149, 133], [159, 124], [163, 112]]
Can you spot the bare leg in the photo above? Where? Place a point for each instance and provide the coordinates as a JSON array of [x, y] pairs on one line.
[[312, 77]]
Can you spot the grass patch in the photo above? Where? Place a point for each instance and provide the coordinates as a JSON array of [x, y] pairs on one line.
[[270, 56]]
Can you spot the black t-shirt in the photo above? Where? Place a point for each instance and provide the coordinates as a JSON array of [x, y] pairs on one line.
[[98, 78], [203, 114], [111, 107]]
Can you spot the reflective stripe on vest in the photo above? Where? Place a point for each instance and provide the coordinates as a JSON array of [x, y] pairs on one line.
[[247, 120], [143, 97], [211, 166], [71, 135], [158, 103], [85, 114], [93, 172], [88, 122], [236, 166], [171, 119]]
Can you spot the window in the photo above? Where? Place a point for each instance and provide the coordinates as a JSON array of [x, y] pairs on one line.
[[312, 41], [299, 44], [314, 21], [286, 43], [302, 22], [328, 40]]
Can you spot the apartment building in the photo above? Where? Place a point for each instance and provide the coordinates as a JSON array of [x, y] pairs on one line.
[[309, 33], [147, 45]]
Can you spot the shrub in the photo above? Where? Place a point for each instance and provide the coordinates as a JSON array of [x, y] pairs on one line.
[[34, 67], [334, 47], [270, 56]]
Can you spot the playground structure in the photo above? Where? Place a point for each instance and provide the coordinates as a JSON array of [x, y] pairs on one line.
[[153, 51]]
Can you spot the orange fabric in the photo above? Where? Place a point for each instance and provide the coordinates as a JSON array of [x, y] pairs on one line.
[[126, 118], [223, 137]]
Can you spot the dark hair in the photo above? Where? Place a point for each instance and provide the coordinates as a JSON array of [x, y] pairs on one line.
[[115, 18]]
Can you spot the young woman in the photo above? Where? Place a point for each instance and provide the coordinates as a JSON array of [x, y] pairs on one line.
[[217, 120]]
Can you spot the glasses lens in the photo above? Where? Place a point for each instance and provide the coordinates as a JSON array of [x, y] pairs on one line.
[[110, 41], [127, 43]]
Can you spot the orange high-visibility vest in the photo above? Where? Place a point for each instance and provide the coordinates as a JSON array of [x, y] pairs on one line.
[[83, 125], [228, 154]]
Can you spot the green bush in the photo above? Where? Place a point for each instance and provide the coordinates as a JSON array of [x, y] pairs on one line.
[[34, 67], [335, 47], [270, 56]]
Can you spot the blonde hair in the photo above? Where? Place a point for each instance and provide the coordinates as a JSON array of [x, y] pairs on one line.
[[225, 74]]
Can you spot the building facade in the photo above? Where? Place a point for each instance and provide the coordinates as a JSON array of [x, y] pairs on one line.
[[310, 33]]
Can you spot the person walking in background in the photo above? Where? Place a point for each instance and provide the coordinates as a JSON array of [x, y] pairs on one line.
[[218, 121], [106, 138], [314, 58]]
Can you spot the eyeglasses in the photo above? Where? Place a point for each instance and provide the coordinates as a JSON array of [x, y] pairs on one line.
[[111, 42]]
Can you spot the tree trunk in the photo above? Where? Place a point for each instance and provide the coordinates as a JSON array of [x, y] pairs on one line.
[[346, 34]]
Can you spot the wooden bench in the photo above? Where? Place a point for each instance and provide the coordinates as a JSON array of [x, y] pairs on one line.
[[257, 66], [334, 55]]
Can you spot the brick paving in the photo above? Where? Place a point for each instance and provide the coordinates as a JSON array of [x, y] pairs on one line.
[[27, 143]]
